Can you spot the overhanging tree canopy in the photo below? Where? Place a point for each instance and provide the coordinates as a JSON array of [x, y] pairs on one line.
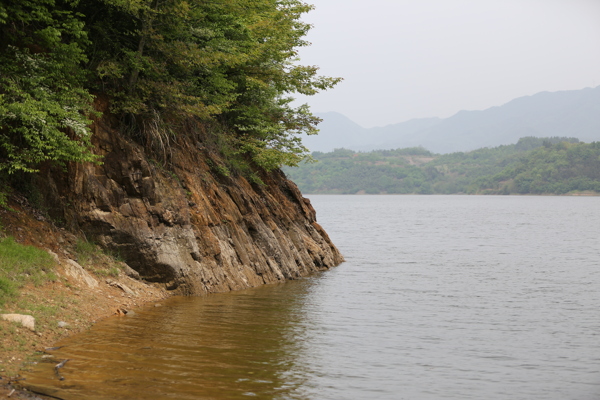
[[163, 61]]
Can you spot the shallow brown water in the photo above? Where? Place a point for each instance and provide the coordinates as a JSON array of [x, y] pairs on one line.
[[226, 346]]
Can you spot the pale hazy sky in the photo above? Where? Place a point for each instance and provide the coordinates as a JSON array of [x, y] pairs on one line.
[[403, 59]]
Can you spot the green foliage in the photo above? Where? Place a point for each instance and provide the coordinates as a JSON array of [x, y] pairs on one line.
[[97, 260], [345, 171], [531, 143], [533, 165], [162, 64], [43, 104], [231, 61], [20, 264], [8, 290], [553, 168], [3, 198], [86, 252]]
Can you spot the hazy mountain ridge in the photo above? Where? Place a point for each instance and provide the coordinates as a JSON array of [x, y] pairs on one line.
[[573, 113]]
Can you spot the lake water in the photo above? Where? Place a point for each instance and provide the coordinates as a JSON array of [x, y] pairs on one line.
[[441, 297]]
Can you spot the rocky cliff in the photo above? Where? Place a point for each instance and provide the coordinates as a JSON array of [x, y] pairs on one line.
[[187, 226]]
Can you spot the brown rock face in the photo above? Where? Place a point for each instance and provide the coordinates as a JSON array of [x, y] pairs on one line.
[[193, 230]]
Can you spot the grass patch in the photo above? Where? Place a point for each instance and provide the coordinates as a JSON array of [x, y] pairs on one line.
[[87, 252], [104, 272], [47, 313], [98, 261], [20, 264], [3, 199]]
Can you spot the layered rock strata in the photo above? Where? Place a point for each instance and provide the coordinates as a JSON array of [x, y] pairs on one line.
[[189, 227]]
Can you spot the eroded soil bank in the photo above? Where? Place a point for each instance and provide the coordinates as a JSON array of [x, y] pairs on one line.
[[77, 296], [194, 225]]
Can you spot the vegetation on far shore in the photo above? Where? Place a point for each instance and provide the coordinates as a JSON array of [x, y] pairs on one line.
[[554, 165]]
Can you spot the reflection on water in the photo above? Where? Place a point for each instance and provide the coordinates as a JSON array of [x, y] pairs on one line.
[[226, 346], [441, 297]]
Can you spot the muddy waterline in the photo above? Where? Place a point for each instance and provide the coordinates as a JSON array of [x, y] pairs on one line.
[[225, 346]]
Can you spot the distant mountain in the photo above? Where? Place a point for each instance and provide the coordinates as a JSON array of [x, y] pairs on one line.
[[573, 113], [334, 130]]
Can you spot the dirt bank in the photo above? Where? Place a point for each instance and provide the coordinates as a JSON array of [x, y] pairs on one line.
[[73, 301]]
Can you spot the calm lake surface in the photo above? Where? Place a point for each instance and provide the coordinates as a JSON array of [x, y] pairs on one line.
[[441, 297]]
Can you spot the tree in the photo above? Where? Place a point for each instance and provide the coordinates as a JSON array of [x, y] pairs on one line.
[[161, 63], [43, 105], [231, 61]]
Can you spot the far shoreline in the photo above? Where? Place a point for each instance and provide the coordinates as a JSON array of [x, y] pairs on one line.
[[581, 194]]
